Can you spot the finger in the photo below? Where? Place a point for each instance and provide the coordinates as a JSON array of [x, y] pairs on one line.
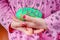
[[28, 18], [38, 31], [17, 24], [31, 25], [30, 31]]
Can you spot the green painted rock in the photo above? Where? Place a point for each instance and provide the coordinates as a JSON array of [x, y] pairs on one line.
[[28, 11]]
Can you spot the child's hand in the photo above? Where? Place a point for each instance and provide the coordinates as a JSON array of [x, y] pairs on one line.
[[19, 25], [35, 22], [30, 26]]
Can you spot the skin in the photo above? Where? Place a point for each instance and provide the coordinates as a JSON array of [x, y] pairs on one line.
[[30, 26]]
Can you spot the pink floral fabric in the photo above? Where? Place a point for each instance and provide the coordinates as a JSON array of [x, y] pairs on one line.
[[51, 14]]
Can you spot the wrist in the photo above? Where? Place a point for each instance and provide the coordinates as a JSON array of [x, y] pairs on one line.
[[45, 24]]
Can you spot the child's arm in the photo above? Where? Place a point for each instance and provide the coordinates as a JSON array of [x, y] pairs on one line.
[[5, 14], [53, 21]]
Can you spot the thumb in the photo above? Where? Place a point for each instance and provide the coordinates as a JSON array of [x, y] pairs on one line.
[[38, 31]]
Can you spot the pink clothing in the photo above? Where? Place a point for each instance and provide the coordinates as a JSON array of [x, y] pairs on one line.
[[51, 14]]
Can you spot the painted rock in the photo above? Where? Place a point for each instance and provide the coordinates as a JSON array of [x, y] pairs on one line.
[[28, 11]]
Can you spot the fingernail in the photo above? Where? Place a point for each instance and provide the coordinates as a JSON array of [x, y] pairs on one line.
[[11, 30], [24, 16], [24, 25], [43, 31]]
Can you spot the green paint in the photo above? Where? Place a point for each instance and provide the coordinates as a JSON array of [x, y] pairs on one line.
[[28, 11]]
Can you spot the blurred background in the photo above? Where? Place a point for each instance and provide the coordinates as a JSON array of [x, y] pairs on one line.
[[3, 33]]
